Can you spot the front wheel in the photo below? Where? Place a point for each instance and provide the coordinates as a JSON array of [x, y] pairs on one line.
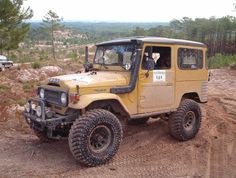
[[95, 137], [185, 122]]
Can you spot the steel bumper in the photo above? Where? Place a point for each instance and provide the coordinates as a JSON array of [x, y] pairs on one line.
[[43, 122]]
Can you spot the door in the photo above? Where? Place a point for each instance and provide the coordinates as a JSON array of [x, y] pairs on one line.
[[156, 87]]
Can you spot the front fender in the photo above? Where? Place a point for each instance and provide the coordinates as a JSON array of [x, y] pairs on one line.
[[85, 100]]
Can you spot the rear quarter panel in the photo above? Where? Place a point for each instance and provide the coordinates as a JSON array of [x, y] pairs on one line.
[[188, 81]]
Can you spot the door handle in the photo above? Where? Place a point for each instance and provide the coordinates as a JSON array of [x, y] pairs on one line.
[[169, 84], [141, 97]]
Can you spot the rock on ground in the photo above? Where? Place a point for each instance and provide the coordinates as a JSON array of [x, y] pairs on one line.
[[27, 75]]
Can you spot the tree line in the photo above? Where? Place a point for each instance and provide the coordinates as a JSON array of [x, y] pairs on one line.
[[218, 33]]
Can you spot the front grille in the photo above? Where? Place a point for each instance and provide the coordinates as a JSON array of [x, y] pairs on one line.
[[53, 96]]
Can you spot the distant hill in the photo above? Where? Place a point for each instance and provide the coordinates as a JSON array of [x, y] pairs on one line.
[[92, 32], [116, 27], [101, 27]]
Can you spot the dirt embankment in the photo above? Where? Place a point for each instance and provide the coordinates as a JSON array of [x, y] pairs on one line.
[[146, 151]]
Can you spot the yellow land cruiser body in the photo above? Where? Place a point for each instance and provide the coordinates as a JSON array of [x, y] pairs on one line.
[[133, 78]]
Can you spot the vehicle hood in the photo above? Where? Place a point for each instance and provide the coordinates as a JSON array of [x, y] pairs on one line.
[[94, 79]]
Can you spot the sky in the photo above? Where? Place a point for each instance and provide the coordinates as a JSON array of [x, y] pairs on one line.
[[131, 10]]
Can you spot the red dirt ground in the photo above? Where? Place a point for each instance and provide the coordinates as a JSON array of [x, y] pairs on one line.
[[146, 151]]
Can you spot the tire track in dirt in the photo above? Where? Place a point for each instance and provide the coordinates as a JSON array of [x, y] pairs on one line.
[[221, 141]]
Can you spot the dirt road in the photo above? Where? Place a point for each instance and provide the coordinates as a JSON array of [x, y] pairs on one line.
[[146, 151]]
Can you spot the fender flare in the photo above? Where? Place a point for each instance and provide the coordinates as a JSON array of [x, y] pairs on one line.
[[86, 100]]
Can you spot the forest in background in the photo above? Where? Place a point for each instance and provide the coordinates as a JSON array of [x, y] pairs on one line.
[[218, 33], [22, 40], [94, 31]]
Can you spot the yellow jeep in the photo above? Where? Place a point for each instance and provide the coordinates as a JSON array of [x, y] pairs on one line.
[[133, 78]]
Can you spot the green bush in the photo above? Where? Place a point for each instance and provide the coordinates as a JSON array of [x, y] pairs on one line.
[[36, 65], [21, 102], [30, 86], [81, 51], [3, 88], [220, 60], [43, 55], [233, 66], [73, 55], [27, 86]]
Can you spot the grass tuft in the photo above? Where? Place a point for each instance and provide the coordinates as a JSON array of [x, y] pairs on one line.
[[36, 65], [4, 88], [219, 61]]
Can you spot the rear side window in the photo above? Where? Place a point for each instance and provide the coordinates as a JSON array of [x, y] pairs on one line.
[[190, 58]]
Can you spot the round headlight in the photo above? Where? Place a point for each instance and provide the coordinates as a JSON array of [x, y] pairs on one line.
[[27, 107], [38, 111], [41, 93], [63, 98]]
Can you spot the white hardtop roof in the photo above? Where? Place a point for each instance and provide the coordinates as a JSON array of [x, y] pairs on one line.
[[3, 57]]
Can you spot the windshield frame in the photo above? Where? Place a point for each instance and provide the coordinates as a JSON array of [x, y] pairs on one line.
[[114, 44]]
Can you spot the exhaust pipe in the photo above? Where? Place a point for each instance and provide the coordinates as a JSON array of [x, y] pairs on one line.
[[87, 66]]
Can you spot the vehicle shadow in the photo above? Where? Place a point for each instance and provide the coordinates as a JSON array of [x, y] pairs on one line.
[[55, 157]]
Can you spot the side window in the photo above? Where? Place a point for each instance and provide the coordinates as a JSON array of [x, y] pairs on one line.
[[161, 56], [190, 58]]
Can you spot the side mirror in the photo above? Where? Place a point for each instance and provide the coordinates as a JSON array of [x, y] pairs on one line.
[[150, 64]]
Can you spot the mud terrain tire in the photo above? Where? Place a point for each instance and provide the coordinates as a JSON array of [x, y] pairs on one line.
[[95, 137], [138, 121], [185, 122]]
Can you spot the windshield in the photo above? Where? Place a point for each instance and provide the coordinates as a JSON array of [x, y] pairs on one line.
[[114, 54]]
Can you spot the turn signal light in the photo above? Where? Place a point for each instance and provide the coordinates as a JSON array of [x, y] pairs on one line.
[[74, 97]]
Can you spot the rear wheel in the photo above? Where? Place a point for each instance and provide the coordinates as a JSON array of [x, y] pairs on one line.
[[185, 122], [95, 137]]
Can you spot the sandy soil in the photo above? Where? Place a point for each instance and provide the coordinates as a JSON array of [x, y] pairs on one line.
[[146, 151]]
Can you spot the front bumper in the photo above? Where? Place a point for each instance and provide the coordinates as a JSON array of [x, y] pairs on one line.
[[44, 122]]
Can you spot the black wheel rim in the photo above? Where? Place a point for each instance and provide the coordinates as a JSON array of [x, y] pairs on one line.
[[189, 121], [100, 138]]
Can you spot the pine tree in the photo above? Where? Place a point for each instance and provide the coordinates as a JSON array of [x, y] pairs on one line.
[[51, 22], [13, 27]]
